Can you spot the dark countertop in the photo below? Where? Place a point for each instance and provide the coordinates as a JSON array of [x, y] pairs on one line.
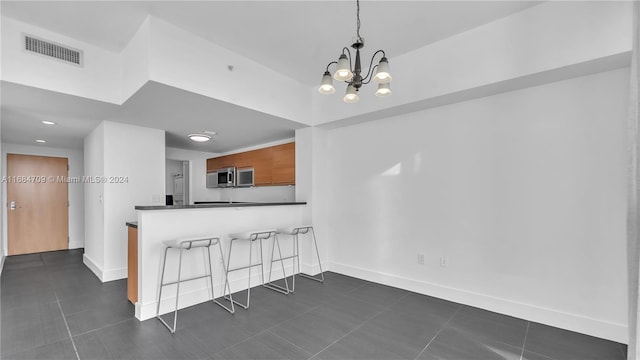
[[133, 224], [213, 204]]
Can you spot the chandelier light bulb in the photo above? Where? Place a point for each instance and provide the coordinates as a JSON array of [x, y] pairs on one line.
[[383, 90], [351, 96], [326, 86], [343, 73], [382, 75]]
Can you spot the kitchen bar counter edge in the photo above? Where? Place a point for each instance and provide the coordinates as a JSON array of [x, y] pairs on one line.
[[221, 205]]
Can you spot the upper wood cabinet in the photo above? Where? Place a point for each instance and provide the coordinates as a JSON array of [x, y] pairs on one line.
[[243, 159], [275, 165], [284, 164], [214, 164]]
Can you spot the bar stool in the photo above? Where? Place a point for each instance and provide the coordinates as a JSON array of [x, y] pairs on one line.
[[188, 244], [252, 237], [294, 232]]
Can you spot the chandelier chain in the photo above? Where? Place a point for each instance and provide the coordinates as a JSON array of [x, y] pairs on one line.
[[358, 17]]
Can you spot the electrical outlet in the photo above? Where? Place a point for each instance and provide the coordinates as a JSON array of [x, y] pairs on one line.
[[420, 259], [444, 261]]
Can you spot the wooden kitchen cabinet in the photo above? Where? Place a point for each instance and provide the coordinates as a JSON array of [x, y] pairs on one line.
[[283, 167], [244, 159], [262, 159], [215, 164], [275, 165], [212, 165], [227, 161], [132, 264]]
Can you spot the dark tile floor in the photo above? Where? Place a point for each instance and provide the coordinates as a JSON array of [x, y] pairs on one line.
[[53, 307]]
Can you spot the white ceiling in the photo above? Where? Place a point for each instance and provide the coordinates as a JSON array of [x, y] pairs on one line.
[[297, 38], [155, 105]]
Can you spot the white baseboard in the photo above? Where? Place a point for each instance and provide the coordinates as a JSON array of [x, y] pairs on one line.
[[76, 245], [114, 274], [104, 275], [88, 262], [148, 310], [574, 322]]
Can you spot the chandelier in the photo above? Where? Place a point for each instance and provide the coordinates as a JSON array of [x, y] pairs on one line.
[[354, 79]]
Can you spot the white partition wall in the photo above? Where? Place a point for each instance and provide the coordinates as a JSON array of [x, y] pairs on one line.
[[132, 160]]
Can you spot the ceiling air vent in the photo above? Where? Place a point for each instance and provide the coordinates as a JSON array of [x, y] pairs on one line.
[[50, 49]]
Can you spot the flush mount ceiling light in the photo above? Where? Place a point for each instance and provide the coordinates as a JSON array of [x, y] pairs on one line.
[[199, 137], [41, 141], [354, 79], [47, 122]]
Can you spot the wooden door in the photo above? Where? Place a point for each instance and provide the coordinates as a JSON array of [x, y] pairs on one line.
[[37, 204]]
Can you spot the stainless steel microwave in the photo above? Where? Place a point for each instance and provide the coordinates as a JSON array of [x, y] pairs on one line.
[[226, 177]]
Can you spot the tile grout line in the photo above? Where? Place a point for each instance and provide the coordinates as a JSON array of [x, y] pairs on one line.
[[406, 293], [266, 330], [284, 321], [524, 342], [438, 333], [64, 318], [388, 307], [269, 331], [106, 326], [310, 310], [350, 332]]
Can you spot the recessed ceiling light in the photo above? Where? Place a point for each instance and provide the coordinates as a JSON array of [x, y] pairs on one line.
[[209, 132], [199, 137], [41, 141], [46, 122]]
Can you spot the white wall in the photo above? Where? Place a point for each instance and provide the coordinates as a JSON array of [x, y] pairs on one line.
[[311, 176], [2, 197], [172, 47], [99, 78], [523, 192], [553, 39], [257, 194], [94, 199], [198, 168], [137, 156], [137, 153], [76, 190]]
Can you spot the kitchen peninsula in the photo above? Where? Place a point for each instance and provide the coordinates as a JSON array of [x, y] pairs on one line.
[[158, 223]]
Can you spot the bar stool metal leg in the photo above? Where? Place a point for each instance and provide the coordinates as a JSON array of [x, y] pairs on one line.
[[252, 238], [315, 243], [228, 269], [175, 312], [164, 263], [295, 234], [226, 288], [285, 290], [183, 245]]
